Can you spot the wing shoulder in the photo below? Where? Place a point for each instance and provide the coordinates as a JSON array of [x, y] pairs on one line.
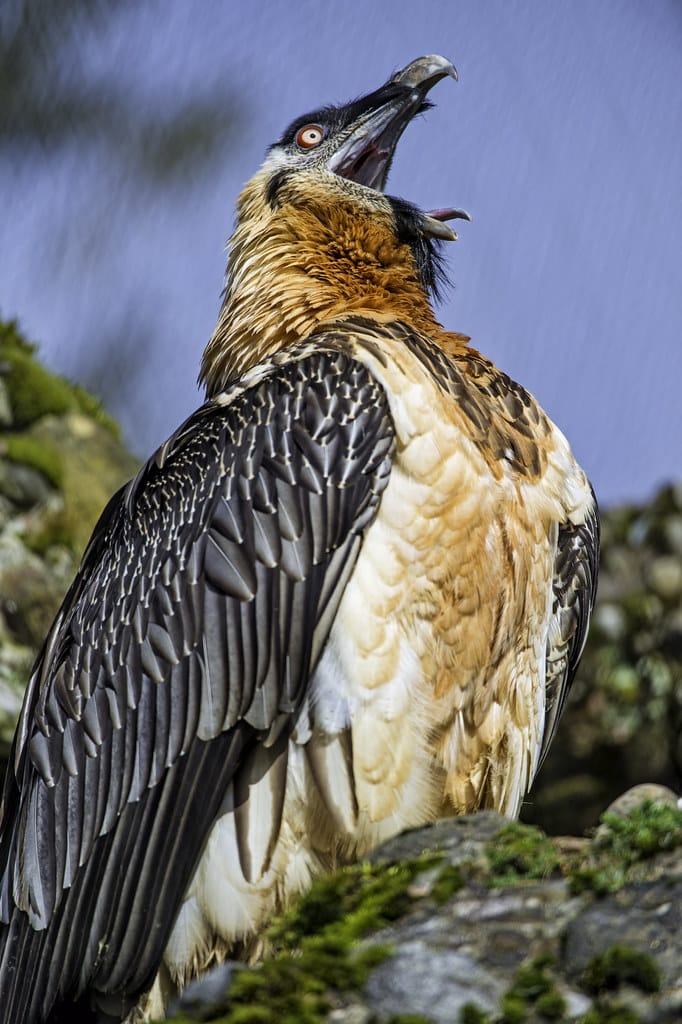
[[503, 420]]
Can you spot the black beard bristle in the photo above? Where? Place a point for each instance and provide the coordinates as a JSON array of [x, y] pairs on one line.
[[427, 251]]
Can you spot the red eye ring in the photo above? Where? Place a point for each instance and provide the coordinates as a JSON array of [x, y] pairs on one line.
[[309, 136]]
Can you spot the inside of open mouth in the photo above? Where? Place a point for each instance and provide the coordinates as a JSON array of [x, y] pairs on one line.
[[367, 169]]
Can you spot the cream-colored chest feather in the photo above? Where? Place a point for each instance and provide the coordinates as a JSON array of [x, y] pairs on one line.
[[441, 634], [437, 654], [429, 697]]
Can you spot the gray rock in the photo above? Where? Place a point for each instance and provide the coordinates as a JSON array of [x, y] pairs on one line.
[[426, 978], [23, 485], [352, 1012], [637, 795], [644, 916], [205, 992], [15, 665], [460, 840]]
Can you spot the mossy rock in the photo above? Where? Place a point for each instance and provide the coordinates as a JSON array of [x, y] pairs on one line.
[[624, 842], [619, 965], [60, 432], [41, 455], [387, 919], [93, 465], [34, 391], [533, 991], [520, 852], [316, 947], [61, 459]]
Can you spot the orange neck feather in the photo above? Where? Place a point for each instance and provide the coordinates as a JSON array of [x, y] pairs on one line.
[[314, 258]]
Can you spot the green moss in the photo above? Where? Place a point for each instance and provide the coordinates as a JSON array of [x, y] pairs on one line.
[[600, 879], [55, 529], [292, 988], [35, 392], [10, 337], [514, 1010], [551, 1005], [93, 408], [534, 990], [41, 455], [650, 828], [520, 852], [472, 1014], [619, 965], [357, 899], [316, 947], [448, 882], [610, 1015], [410, 1018]]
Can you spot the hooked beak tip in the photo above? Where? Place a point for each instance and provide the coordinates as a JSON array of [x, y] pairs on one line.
[[426, 71]]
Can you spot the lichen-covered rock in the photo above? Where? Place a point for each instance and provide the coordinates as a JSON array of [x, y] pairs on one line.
[[61, 458]]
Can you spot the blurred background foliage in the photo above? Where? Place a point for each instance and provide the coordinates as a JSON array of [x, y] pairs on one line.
[[623, 721], [61, 101], [54, 95]]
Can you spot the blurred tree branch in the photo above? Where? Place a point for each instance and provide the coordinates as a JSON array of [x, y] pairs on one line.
[[52, 97], [82, 78]]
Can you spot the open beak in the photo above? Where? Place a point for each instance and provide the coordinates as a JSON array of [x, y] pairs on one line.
[[376, 123]]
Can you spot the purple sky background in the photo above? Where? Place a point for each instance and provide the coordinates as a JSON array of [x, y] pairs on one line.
[[563, 139]]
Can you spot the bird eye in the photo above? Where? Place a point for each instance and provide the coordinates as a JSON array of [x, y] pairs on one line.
[[309, 136]]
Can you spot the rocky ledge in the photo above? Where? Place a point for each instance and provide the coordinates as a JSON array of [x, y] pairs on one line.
[[478, 921]]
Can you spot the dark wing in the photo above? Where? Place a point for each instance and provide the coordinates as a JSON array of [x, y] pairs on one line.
[[574, 587], [181, 654]]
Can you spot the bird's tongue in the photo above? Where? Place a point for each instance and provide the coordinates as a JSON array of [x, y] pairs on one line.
[[448, 214], [434, 223]]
